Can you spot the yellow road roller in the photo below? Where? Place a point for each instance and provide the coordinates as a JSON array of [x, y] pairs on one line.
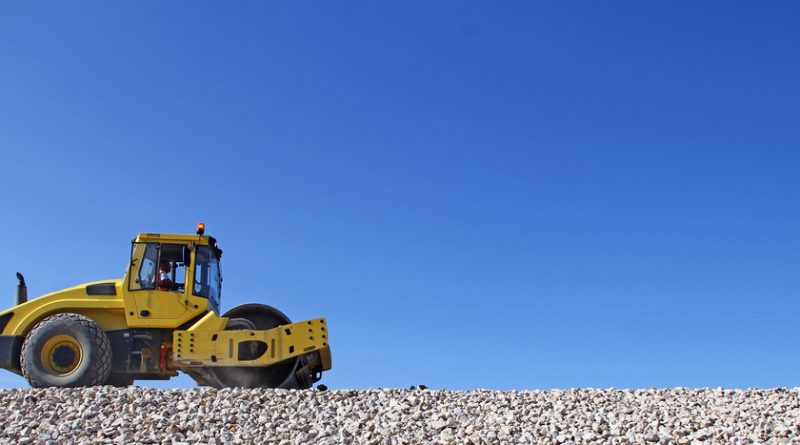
[[162, 317]]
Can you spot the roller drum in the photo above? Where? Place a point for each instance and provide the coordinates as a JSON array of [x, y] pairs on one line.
[[279, 375]]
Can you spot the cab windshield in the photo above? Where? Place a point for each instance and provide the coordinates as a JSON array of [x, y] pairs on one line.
[[207, 276]]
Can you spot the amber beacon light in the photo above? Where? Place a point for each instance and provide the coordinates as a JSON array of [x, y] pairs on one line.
[[201, 228]]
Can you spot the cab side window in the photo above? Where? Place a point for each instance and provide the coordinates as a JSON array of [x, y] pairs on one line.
[[158, 267], [144, 259], [172, 268], [201, 271], [207, 276]]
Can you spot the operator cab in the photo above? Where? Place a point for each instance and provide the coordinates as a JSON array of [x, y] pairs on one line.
[[174, 269]]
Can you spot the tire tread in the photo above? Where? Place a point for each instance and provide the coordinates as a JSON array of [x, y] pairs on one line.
[[99, 369]]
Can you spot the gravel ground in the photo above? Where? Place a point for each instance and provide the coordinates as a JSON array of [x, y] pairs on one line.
[[396, 416]]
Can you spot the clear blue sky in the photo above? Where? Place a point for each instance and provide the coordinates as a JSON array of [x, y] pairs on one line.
[[506, 195]]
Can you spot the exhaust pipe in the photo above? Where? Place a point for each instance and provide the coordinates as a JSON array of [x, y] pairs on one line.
[[22, 290]]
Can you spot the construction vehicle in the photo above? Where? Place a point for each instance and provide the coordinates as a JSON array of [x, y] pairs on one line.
[[162, 317]]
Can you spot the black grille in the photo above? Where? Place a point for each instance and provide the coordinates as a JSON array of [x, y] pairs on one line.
[[101, 289]]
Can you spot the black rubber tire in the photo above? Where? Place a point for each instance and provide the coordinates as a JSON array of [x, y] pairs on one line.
[[279, 375], [94, 366]]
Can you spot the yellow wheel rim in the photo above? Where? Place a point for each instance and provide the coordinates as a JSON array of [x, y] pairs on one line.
[[62, 355]]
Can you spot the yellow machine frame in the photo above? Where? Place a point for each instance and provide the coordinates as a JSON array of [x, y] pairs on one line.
[[200, 346]]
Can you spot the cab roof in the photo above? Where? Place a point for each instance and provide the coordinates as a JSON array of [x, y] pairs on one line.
[[181, 238]]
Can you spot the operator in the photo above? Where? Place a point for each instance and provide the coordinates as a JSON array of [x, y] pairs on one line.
[[164, 281]]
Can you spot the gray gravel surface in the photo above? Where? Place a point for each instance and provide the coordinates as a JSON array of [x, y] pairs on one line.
[[394, 416]]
